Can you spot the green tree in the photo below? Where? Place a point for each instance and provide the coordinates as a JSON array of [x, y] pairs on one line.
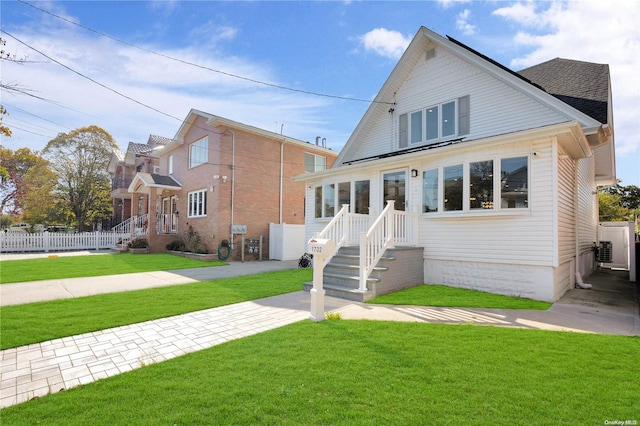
[[40, 203], [80, 159], [14, 165]]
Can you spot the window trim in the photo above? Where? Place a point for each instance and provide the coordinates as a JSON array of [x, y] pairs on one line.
[[192, 204], [336, 198]]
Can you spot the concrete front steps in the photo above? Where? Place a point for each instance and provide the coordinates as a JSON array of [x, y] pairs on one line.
[[399, 268]]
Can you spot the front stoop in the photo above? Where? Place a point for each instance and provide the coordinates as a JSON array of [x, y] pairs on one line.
[[399, 268]]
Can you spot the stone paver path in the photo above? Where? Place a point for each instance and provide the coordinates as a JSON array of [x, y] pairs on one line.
[[39, 369]]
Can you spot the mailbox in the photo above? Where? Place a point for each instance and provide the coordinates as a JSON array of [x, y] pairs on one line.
[[322, 247]]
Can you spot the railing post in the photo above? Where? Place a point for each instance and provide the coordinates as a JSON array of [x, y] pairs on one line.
[[390, 224], [346, 225], [362, 285]]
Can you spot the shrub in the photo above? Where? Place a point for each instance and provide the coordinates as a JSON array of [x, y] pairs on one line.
[[139, 243], [175, 245]]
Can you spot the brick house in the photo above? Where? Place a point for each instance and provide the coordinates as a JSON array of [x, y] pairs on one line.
[[223, 180]]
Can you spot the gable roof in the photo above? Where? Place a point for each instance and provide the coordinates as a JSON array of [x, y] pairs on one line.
[[583, 85], [426, 38], [143, 181]]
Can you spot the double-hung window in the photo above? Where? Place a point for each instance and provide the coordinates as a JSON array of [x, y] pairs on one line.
[[314, 163], [199, 152], [197, 203]]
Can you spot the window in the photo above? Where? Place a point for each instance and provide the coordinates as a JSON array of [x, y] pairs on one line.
[[416, 127], [314, 163], [199, 152], [479, 181], [171, 164], [481, 185], [197, 203], [327, 198], [453, 187], [362, 197], [344, 194], [435, 122], [325, 201], [430, 191], [514, 187]]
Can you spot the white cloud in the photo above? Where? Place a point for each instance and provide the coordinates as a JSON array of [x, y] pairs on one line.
[[171, 87], [446, 4], [387, 43], [592, 31], [462, 23]]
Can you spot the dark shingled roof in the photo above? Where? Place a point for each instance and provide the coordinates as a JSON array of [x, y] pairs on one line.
[[164, 180], [139, 148], [583, 85]]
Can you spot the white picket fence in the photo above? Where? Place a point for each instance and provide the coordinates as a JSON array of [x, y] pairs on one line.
[[11, 242]]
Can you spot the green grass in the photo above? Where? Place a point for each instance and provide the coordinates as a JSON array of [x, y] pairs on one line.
[[14, 271], [440, 295], [367, 373], [37, 322]]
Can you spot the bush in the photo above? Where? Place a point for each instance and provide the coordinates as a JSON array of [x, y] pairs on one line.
[[139, 243], [175, 245]]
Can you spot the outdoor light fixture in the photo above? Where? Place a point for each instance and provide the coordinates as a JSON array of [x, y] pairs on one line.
[[414, 172]]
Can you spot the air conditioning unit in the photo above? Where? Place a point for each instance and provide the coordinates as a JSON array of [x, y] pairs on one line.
[[605, 252]]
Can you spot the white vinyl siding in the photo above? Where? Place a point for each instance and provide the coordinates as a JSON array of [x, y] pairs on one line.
[[494, 108], [517, 236]]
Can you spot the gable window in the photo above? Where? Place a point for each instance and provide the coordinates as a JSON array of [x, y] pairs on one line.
[[314, 163], [197, 203], [514, 183], [445, 120], [199, 152]]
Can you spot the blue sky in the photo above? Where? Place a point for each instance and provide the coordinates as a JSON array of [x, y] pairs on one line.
[[340, 48]]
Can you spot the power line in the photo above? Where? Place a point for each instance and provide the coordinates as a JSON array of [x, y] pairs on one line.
[[91, 79], [228, 74]]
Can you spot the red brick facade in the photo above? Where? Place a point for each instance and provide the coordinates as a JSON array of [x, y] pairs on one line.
[[246, 178]]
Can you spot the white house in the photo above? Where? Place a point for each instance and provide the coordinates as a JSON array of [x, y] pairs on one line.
[[493, 173]]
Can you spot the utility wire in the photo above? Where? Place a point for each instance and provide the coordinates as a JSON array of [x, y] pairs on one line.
[[277, 86]]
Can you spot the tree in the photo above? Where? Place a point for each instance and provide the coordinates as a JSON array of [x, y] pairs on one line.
[[40, 203], [13, 167], [80, 159], [619, 203]]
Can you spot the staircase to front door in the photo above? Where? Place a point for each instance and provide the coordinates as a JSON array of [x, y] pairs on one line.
[[397, 269]]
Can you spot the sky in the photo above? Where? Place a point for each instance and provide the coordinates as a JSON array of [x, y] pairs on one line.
[[300, 68]]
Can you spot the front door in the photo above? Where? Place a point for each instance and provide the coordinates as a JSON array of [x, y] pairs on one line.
[[394, 185]]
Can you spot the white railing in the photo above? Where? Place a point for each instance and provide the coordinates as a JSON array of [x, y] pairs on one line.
[[166, 224], [344, 228], [135, 225], [390, 228], [54, 241]]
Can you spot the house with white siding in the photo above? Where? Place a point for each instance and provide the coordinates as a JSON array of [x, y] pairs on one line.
[[490, 175]]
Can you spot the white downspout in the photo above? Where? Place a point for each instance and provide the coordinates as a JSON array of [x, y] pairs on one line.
[[233, 185], [281, 178]]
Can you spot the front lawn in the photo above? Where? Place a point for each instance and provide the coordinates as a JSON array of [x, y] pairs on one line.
[[15, 271], [37, 322], [441, 295], [368, 373]]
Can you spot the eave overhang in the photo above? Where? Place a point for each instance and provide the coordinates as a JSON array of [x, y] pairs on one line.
[[142, 182]]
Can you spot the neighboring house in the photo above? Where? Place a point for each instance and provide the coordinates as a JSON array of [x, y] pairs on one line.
[[123, 166], [495, 173], [223, 180]]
